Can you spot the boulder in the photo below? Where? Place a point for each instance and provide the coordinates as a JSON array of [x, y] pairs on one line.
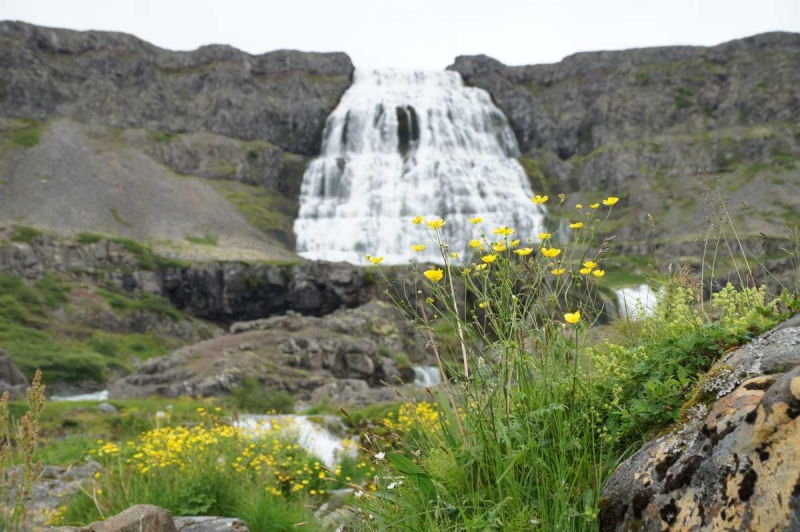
[[140, 518], [734, 464], [11, 378], [210, 524]]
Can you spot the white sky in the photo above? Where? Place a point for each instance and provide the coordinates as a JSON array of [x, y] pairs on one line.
[[419, 33]]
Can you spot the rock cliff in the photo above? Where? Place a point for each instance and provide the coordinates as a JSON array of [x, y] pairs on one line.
[[118, 80], [641, 123]]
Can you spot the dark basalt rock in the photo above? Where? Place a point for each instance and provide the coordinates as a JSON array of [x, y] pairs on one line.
[[115, 79]]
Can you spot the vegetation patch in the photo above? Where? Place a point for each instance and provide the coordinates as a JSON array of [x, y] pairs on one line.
[[205, 240], [22, 132], [268, 212], [25, 234]]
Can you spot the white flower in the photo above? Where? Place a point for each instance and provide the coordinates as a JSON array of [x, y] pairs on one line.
[[160, 414], [380, 456], [358, 494], [391, 486]]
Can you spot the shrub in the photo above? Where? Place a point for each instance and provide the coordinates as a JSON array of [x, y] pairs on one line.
[[252, 396]]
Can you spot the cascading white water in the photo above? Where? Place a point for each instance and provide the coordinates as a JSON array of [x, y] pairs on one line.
[[634, 301], [402, 144], [427, 376]]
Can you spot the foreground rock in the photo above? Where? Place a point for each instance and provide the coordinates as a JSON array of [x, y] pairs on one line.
[[148, 518], [734, 465], [292, 352]]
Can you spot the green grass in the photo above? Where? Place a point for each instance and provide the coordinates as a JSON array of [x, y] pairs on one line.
[[89, 238], [118, 217], [268, 212], [25, 234], [205, 240], [148, 259], [70, 352], [164, 136], [23, 133]]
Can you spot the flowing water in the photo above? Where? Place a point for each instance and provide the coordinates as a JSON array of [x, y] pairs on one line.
[[407, 143], [96, 396], [427, 376], [314, 435], [636, 300]]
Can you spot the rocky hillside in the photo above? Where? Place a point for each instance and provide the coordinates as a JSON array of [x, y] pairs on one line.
[[199, 153], [641, 123]]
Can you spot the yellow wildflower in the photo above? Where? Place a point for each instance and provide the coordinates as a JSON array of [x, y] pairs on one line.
[[417, 220], [513, 243], [576, 225], [435, 224], [590, 264], [611, 200], [579, 206], [418, 247], [523, 251], [505, 231], [434, 274], [454, 255], [539, 200], [374, 260], [466, 271], [545, 236], [480, 267], [488, 259], [475, 243], [594, 205], [476, 220], [499, 247], [550, 253], [585, 271], [483, 304], [599, 273], [558, 271], [573, 317]]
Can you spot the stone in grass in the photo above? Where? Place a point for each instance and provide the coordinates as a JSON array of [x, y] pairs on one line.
[[210, 524], [141, 518]]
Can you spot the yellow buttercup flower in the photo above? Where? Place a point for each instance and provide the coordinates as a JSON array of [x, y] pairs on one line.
[[513, 243], [576, 225], [585, 271], [545, 236], [417, 220], [418, 247], [599, 273], [434, 274], [466, 271], [523, 251], [454, 255], [374, 260], [594, 205], [480, 267], [483, 304], [558, 271], [550, 253], [476, 220], [499, 247], [488, 259], [539, 200], [609, 201], [590, 264], [579, 206], [475, 243], [573, 317], [505, 231], [435, 224]]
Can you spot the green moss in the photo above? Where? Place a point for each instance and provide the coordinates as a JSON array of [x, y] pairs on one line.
[[119, 219], [205, 240], [24, 133], [163, 136], [784, 158], [89, 238], [148, 259], [268, 212], [142, 301], [25, 234], [682, 95]]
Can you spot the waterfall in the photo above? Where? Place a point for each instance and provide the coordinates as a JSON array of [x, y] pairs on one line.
[[635, 301], [427, 376], [408, 143]]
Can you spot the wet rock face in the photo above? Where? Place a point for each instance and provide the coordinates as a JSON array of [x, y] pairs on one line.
[[733, 466], [115, 79]]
